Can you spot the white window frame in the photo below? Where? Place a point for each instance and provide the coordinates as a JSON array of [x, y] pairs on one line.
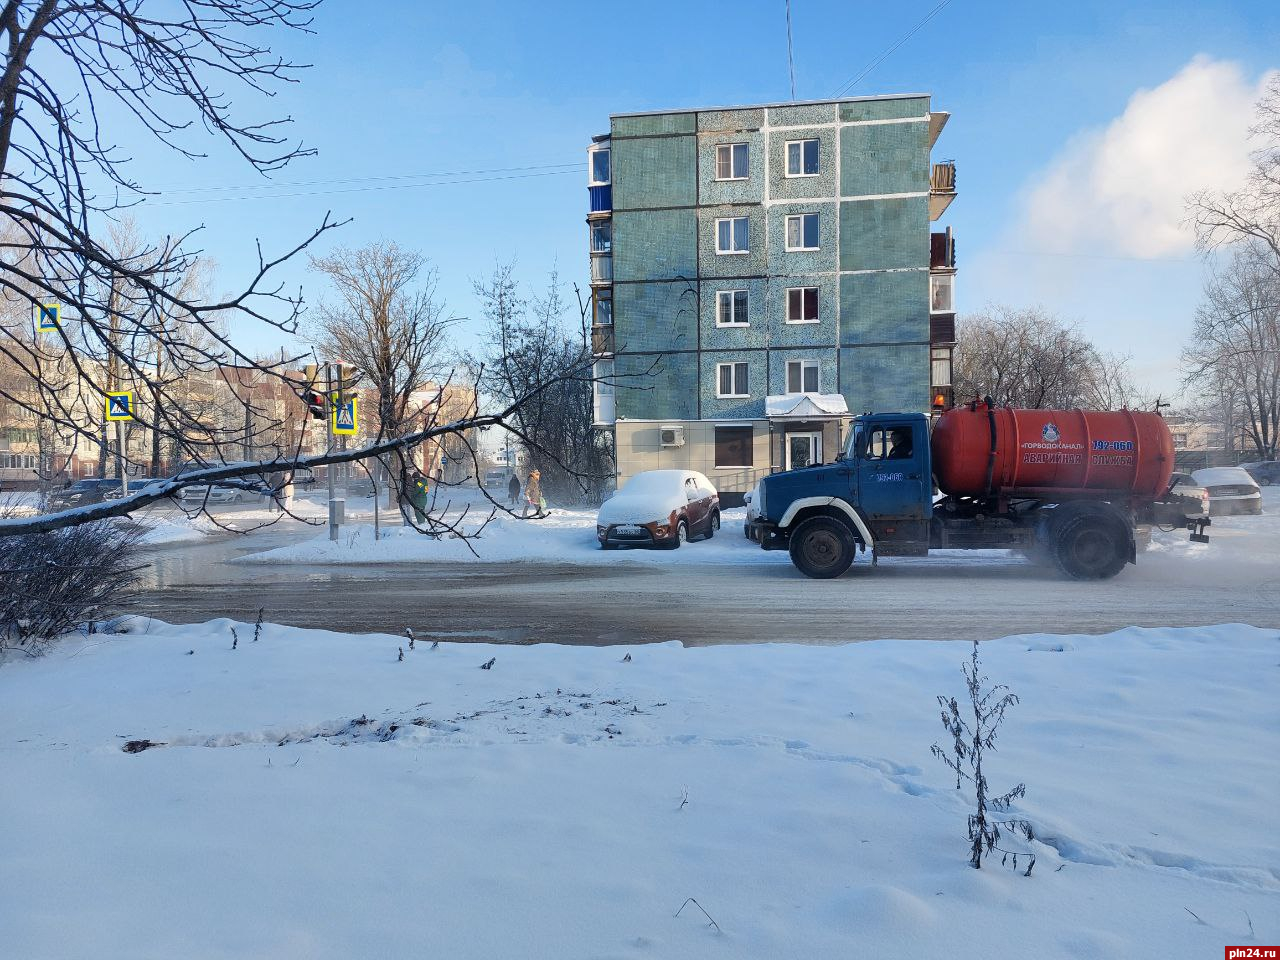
[[733, 308], [947, 280], [591, 167], [786, 158], [733, 236], [804, 365], [817, 291], [786, 232], [733, 378], [729, 147]]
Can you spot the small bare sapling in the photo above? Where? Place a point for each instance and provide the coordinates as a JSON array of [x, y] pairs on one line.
[[401, 657], [408, 632], [969, 739], [235, 638], [257, 625]]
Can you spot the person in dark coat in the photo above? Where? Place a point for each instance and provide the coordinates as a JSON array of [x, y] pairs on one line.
[[513, 490]]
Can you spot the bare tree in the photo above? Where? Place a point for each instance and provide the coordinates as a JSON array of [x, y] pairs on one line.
[[1233, 359], [530, 339], [1029, 358], [1251, 213]]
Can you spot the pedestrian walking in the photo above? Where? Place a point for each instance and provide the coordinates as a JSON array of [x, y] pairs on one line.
[[513, 491], [418, 497], [533, 495]]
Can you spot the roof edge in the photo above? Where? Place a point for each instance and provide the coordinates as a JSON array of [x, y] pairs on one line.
[[767, 106]]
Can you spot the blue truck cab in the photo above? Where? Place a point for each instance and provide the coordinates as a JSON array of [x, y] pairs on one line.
[[876, 496]]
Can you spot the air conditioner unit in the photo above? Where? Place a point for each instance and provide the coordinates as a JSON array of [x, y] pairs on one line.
[[672, 436]]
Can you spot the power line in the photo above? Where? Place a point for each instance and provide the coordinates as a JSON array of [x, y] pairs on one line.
[[390, 186], [884, 56], [276, 185]]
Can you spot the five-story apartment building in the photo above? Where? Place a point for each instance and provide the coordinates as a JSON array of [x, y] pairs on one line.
[[760, 272]]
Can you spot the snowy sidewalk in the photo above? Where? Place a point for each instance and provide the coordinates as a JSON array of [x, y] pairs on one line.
[[316, 797]]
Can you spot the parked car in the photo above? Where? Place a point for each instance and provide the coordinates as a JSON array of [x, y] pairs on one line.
[[496, 479], [659, 508], [1264, 473], [750, 501], [203, 493], [1192, 498], [1231, 490], [83, 492]]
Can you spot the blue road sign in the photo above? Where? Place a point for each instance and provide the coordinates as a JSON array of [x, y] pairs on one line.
[[48, 317], [119, 405], [344, 417]]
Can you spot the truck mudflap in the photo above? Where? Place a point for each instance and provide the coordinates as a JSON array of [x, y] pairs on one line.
[[767, 534], [1197, 529]]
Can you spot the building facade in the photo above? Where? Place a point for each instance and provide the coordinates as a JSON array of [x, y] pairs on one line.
[[760, 273]]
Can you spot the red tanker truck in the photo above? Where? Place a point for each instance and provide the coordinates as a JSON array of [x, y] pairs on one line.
[[1071, 485]]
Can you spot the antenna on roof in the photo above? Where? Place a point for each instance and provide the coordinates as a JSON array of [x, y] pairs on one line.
[[791, 63]]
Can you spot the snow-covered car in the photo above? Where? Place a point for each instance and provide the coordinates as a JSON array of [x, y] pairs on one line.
[[750, 501], [1191, 498], [204, 493], [1264, 472], [1231, 490], [659, 508]]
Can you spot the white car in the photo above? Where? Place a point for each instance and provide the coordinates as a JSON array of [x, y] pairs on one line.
[[1231, 490], [659, 508], [203, 493]]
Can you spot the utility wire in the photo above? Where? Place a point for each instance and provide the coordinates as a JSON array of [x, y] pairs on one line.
[[884, 56], [389, 186], [277, 185]]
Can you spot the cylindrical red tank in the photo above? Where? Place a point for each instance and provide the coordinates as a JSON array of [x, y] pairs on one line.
[[1063, 453]]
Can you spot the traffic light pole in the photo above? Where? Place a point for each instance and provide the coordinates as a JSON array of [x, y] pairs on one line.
[[329, 416]]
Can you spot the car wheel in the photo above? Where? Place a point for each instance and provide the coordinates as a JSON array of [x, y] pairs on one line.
[[713, 524], [1089, 547], [822, 547], [682, 535]]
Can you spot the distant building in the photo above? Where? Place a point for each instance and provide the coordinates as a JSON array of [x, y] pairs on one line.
[[759, 274]]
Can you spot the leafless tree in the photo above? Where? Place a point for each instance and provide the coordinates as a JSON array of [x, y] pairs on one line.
[[1030, 358], [1233, 360], [1251, 213], [530, 339]]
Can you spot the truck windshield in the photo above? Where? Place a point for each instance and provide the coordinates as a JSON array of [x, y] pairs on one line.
[[855, 441]]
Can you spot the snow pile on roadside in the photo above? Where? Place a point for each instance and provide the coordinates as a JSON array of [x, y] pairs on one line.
[[314, 796], [565, 536]]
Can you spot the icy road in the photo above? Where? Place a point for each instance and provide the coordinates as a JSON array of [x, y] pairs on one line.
[[723, 591]]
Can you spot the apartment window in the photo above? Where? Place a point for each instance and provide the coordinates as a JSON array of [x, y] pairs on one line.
[[802, 376], [802, 305], [802, 158], [599, 166], [731, 161], [942, 292], [940, 366], [731, 235], [602, 236], [731, 308], [733, 446], [731, 380], [604, 308], [802, 231]]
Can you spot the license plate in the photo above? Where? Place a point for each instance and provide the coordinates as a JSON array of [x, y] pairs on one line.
[[627, 528]]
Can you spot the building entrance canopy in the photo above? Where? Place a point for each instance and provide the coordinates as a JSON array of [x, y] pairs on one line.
[[805, 406]]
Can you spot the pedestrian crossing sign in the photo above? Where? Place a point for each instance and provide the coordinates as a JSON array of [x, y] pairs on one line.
[[119, 405], [344, 417], [48, 317]]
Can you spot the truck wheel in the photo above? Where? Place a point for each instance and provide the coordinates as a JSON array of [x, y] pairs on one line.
[[822, 548], [1090, 547]]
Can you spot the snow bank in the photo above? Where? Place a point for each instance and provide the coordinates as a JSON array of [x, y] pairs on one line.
[[314, 797], [566, 536]]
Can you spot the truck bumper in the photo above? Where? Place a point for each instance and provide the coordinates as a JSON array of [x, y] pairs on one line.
[[767, 534]]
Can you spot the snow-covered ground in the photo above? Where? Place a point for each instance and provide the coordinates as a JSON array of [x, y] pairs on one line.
[[312, 796]]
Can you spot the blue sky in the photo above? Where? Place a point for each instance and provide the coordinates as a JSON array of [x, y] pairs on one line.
[[1045, 126]]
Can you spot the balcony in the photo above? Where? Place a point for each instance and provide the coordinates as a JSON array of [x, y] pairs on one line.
[[602, 340], [601, 268], [942, 251], [942, 328], [601, 198], [942, 188]]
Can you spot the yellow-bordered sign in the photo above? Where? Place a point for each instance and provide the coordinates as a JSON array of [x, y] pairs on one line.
[[48, 317], [345, 419], [119, 405]]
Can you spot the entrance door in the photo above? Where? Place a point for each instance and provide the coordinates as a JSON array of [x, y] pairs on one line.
[[803, 450]]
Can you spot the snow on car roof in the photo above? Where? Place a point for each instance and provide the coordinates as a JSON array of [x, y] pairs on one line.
[[1221, 475], [653, 480]]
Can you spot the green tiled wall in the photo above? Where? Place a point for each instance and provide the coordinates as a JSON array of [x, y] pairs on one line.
[[884, 109], [662, 392], [884, 307], [884, 158], [782, 261], [652, 124], [655, 316], [885, 379], [714, 407], [655, 245], [803, 113], [654, 173], [884, 234]]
